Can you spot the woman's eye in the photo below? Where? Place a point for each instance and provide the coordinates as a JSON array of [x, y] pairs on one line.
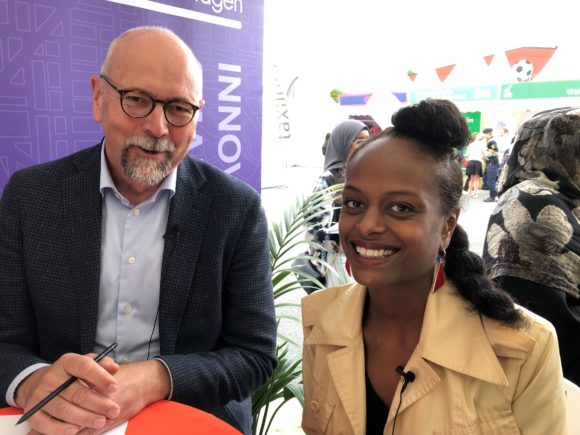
[[352, 203], [401, 208]]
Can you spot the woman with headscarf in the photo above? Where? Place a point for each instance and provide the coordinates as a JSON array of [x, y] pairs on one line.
[[532, 246], [344, 139]]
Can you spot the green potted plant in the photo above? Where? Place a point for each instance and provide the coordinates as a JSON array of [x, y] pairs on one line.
[[287, 244]]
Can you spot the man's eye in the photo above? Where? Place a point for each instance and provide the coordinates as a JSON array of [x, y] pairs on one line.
[[136, 99], [180, 109]]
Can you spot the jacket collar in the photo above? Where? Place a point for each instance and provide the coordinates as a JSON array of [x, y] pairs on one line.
[[470, 349], [452, 336]]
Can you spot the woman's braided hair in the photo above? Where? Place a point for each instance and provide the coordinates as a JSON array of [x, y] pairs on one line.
[[439, 128]]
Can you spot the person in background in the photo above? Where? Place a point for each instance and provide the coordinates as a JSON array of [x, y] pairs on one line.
[[532, 246], [344, 139], [504, 143], [491, 165], [475, 151], [423, 342], [133, 241], [325, 144]]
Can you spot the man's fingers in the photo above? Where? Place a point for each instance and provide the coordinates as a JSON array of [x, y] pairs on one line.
[[110, 365], [85, 368], [42, 423], [82, 396], [60, 410]]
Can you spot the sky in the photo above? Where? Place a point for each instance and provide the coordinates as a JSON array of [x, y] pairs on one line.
[[362, 43], [367, 46]]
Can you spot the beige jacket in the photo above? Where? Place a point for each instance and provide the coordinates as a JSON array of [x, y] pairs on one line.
[[473, 375]]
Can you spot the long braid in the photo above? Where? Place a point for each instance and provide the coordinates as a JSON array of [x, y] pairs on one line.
[[466, 270]]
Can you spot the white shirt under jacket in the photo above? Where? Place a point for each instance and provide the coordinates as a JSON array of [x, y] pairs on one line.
[[473, 375]]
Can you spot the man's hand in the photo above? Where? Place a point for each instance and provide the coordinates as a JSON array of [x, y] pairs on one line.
[[140, 384], [85, 404]]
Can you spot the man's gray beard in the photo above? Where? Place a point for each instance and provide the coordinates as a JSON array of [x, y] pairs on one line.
[[148, 171]]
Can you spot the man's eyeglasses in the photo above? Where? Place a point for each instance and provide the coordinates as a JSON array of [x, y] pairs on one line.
[[138, 104]]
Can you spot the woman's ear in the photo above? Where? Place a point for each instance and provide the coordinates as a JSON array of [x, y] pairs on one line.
[[448, 228]]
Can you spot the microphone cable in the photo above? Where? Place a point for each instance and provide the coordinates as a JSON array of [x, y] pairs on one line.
[[407, 378], [152, 331]]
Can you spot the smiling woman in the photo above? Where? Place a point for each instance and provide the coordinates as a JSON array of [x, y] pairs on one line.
[[396, 329]]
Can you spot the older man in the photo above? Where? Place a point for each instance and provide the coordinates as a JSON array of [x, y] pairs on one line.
[[134, 242]]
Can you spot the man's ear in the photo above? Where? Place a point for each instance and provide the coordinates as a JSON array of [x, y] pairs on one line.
[[448, 228], [97, 98]]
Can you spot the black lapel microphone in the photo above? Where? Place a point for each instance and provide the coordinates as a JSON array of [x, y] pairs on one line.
[[172, 233], [407, 378]]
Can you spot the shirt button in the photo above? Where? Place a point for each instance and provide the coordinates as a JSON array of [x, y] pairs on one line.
[[128, 309], [136, 212], [125, 360], [132, 260], [315, 406]]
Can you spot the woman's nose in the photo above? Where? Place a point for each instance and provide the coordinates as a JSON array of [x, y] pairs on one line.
[[372, 222]]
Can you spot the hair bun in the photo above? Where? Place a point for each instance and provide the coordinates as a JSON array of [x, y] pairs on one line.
[[437, 123]]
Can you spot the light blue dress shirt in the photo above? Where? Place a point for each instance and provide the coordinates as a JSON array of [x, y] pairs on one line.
[[131, 256]]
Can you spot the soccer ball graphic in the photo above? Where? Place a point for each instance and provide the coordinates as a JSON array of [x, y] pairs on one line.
[[523, 70]]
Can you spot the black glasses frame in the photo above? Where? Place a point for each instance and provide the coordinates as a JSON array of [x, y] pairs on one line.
[[164, 104]]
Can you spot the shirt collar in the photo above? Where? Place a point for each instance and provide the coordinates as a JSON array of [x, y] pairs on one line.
[[106, 180]]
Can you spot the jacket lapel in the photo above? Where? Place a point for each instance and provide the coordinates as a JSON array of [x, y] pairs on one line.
[[82, 217], [472, 351], [347, 369], [187, 221], [340, 325], [469, 353]]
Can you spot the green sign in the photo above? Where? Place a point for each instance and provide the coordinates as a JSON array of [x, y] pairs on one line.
[[473, 120], [467, 93], [520, 91], [511, 91]]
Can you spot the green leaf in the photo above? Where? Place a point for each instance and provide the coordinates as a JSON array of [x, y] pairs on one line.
[[294, 390], [286, 244]]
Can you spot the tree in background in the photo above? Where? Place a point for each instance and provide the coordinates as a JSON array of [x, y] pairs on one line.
[[335, 94]]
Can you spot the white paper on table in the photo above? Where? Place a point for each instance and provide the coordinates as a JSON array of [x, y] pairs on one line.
[[8, 426]]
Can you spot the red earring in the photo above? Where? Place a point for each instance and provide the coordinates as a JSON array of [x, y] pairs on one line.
[[440, 280]]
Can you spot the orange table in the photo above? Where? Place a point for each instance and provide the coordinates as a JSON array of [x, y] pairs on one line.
[[168, 417]]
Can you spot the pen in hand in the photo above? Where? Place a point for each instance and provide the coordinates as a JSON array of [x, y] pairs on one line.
[[61, 388]]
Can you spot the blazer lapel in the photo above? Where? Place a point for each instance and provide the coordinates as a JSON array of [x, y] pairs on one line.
[[82, 217], [186, 222]]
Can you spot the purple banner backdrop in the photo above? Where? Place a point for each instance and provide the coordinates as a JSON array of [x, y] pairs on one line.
[[49, 49]]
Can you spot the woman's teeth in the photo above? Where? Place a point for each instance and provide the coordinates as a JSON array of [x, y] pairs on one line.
[[374, 253]]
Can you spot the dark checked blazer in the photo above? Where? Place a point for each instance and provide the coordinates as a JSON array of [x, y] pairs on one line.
[[216, 314]]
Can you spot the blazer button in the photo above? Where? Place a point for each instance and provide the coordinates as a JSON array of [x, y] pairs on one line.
[[315, 406]]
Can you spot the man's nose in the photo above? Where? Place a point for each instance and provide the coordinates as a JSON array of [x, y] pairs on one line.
[[155, 123]]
